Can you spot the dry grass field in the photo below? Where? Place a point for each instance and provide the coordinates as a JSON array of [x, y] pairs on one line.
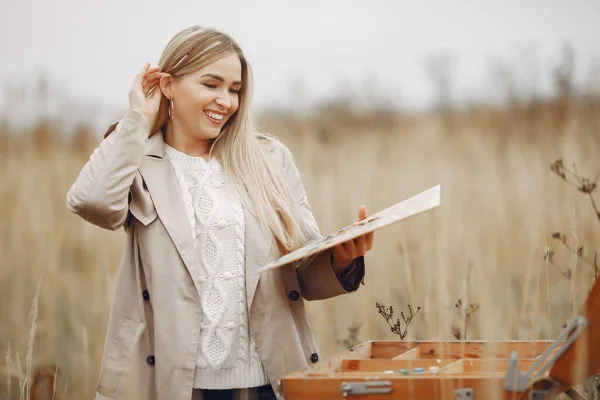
[[485, 245]]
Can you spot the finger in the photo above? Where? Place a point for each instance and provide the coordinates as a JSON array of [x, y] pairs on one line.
[[144, 69], [340, 251], [350, 248], [151, 79], [152, 70], [140, 75], [153, 76], [359, 245], [154, 86], [362, 212], [147, 88], [154, 73], [144, 73], [148, 83], [152, 93], [369, 240], [157, 92], [359, 241]]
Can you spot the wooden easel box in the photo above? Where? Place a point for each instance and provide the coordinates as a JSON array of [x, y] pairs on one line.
[[480, 365]]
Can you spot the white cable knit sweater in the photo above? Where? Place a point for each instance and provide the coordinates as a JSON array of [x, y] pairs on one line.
[[227, 356]]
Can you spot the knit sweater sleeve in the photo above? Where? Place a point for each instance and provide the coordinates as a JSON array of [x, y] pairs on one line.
[[316, 275]]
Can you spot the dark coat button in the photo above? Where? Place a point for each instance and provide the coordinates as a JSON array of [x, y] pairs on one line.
[[294, 295], [150, 360], [314, 357], [146, 295]]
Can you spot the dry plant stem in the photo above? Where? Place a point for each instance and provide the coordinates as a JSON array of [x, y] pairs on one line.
[[473, 309], [468, 312], [9, 371], [574, 258], [20, 375], [584, 185], [388, 314], [352, 339], [562, 239], [549, 327], [468, 295], [594, 205], [67, 382], [85, 355], [54, 383], [33, 317]]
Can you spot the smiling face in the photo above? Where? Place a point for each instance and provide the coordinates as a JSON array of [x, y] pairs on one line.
[[207, 98]]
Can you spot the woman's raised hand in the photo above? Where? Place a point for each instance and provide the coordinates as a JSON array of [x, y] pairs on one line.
[[139, 100]]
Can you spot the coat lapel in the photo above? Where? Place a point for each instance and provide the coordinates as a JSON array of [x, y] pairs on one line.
[[166, 195], [170, 207]]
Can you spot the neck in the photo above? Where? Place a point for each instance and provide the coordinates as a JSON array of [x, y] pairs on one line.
[[185, 142]]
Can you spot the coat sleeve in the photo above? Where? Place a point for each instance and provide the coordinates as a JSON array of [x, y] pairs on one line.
[[316, 275], [100, 194]]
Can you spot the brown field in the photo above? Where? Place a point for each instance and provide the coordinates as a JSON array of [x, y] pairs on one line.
[[485, 245]]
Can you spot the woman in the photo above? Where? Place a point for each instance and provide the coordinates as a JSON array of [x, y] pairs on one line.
[[205, 202]]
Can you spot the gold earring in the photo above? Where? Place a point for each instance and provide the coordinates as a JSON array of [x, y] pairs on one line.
[[172, 109]]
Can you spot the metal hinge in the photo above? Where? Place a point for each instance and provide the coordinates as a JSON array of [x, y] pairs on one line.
[[463, 394], [356, 388], [517, 381]]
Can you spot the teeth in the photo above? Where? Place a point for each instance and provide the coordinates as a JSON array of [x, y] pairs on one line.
[[215, 116]]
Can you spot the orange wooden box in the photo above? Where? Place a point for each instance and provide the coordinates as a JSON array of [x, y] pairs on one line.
[[458, 369]]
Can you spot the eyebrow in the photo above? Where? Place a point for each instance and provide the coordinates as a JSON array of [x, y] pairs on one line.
[[219, 78]]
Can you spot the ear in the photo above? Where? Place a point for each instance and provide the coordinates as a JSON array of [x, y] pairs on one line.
[[166, 84]]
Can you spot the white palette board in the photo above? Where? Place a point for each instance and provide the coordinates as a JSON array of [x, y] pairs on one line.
[[422, 202]]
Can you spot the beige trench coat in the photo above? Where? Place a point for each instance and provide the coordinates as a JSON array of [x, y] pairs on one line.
[[153, 330]]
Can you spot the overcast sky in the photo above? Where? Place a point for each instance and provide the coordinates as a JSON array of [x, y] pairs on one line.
[[300, 50]]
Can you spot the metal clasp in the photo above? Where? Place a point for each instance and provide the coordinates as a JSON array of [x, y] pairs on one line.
[[357, 388], [463, 394], [517, 381]]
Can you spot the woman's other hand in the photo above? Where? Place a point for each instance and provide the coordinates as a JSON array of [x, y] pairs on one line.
[[345, 253], [139, 98]]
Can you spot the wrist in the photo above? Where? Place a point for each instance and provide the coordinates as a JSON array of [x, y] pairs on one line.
[[139, 116], [339, 266]]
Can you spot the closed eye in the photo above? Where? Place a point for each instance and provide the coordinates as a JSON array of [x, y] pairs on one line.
[[211, 86]]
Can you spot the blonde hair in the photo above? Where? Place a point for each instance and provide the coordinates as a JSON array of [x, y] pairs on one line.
[[254, 174]]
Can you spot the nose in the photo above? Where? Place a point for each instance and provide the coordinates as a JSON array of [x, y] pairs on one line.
[[223, 100]]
